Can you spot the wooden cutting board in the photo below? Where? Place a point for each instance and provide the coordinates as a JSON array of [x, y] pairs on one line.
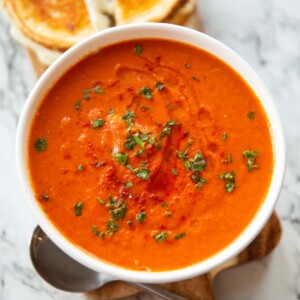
[[198, 288]]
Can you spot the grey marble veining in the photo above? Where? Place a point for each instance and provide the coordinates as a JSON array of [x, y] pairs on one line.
[[265, 33]]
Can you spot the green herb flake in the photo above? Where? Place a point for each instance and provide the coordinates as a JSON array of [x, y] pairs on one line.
[[187, 65], [138, 49], [111, 111], [128, 184], [142, 173], [198, 180], [96, 89], [129, 223], [77, 105], [168, 213], [170, 107], [174, 171], [118, 210], [179, 236], [146, 92], [97, 232], [98, 123], [141, 217], [160, 236], [224, 136], [44, 197], [128, 117], [78, 208], [121, 158], [40, 144], [101, 201], [139, 153], [80, 168], [164, 204], [251, 114], [159, 85], [229, 158], [111, 227], [250, 156], [229, 179], [138, 140], [167, 129]]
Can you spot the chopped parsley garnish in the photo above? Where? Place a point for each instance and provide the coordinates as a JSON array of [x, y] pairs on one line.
[[160, 236], [198, 180], [142, 173], [141, 217], [174, 171], [179, 236], [146, 92], [229, 180], [251, 114], [144, 163], [99, 164], [187, 66], [250, 156], [145, 108], [98, 123], [229, 158], [121, 158], [138, 49], [97, 232], [138, 140], [159, 85], [77, 105], [40, 144], [169, 107], [101, 201], [195, 78], [164, 204], [128, 184], [129, 223], [183, 155], [117, 208], [128, 118], [167, 129], [111, 227], [111, 111], [130, 143], [197, 163], [44, 197], [78, 208], [139, 153], [168, 213], [96, 89], [224, 136], [80, 168]]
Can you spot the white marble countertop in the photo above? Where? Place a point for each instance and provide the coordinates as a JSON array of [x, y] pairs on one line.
[[266, 34]]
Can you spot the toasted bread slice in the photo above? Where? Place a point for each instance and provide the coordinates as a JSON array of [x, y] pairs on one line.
[[45, 55], [180, 13], [100, 12], [128, 11], [56, 24]]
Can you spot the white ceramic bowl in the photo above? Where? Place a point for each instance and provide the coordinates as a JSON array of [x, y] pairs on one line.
[[164, 31]]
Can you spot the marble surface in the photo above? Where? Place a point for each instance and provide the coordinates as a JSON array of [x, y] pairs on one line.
[[266, 34]]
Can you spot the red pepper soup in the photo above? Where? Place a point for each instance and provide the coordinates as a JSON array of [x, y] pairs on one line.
[[150, 154]]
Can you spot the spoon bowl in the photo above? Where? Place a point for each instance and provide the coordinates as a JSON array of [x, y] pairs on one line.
[[65, 273]]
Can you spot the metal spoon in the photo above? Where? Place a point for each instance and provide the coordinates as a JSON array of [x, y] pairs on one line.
[[64, 273]]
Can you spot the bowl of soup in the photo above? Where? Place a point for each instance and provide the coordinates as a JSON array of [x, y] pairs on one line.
[[151, 153]]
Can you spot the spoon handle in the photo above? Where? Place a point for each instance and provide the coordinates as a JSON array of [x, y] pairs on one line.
[[156, 290]]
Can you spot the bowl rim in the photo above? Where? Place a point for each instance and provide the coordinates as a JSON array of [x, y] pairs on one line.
[[171, 32]]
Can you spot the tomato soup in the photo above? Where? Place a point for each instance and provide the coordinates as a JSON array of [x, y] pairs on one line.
[[150, 154]]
